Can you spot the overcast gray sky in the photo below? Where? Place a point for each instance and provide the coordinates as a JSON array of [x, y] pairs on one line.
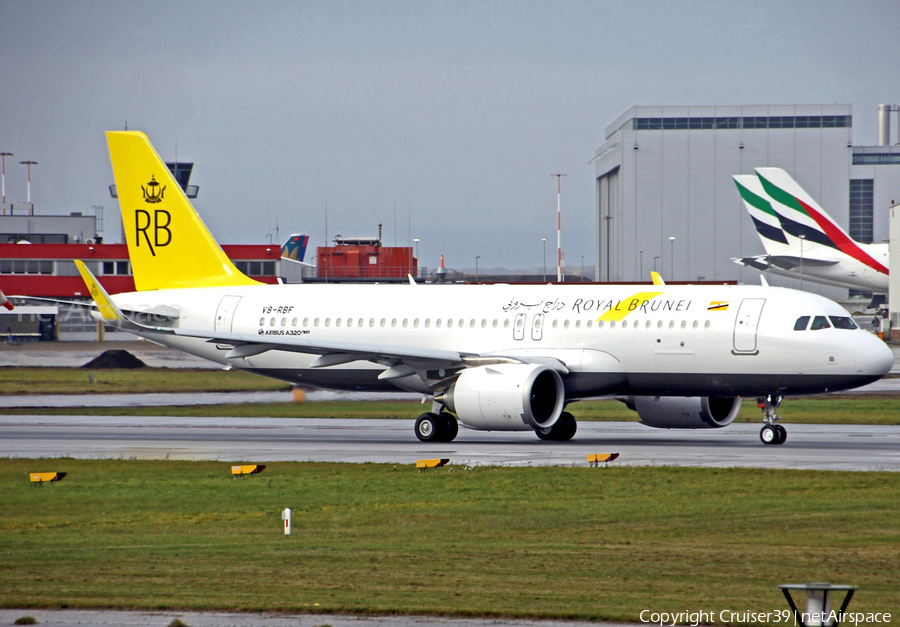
[[457, 113]]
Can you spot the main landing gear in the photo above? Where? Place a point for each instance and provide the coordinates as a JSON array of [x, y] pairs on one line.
[[771, 433], [562, 430], [436, 427]]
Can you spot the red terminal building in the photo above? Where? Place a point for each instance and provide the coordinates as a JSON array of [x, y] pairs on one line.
[[48, 270]]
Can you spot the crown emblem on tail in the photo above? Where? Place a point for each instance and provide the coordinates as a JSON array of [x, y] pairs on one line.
[[155, 192]]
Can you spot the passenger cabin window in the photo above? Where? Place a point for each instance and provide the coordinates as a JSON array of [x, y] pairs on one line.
[[819, 322], [802, 323], [842, 322]]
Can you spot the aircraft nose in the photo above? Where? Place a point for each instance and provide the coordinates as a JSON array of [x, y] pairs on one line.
[[873, 356]]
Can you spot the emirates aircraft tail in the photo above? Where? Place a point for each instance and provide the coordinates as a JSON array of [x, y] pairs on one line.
[[802, 240]]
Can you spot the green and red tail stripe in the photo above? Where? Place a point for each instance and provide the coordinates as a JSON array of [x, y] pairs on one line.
[[837, 238]]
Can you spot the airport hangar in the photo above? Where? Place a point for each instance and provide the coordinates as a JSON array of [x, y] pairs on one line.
[[665, 172]]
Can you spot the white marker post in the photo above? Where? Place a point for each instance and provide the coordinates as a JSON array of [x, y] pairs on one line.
[[286, 517]]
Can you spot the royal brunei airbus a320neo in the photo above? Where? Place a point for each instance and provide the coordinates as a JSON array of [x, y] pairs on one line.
[[491, 357]]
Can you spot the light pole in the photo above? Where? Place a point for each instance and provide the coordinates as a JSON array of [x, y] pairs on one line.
[[654, 262], [672, 258], [559, 274], [641, 275], [544, 240], [476, 267], [4, 155], [29, 164]]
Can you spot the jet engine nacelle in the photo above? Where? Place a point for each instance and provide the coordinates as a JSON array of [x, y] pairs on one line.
[[685, 412], [506, 397]]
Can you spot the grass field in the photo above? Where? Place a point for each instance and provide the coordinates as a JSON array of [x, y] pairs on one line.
[[36, 381], [541, 542]]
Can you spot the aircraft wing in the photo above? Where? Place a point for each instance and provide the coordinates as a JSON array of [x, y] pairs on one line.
[[246, 345], [401, 361]]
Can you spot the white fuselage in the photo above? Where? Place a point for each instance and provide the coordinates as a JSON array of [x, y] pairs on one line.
[[613, 340]]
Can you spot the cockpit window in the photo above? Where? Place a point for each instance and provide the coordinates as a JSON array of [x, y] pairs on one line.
[[802, 323], [819, 322], [842, 322]]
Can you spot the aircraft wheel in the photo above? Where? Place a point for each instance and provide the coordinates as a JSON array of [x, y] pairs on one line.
[[769, 435], [449, 428], [782, 434], [562, 430], [428, 427], [568, 426]]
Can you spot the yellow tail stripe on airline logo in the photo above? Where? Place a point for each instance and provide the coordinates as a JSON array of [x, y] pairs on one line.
[[627, 305], [718, 305]]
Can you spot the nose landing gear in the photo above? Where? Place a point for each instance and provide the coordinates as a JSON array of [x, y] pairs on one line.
[[771, 433]]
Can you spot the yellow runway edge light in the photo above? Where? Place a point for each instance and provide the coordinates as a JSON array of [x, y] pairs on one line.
[[425, 464], [46, 477], [598, 458], [247, 469]]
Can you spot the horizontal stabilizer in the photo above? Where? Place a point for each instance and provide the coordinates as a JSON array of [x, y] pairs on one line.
[[784, 262]]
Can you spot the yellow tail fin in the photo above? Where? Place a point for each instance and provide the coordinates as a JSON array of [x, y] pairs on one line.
[[168, 243]]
